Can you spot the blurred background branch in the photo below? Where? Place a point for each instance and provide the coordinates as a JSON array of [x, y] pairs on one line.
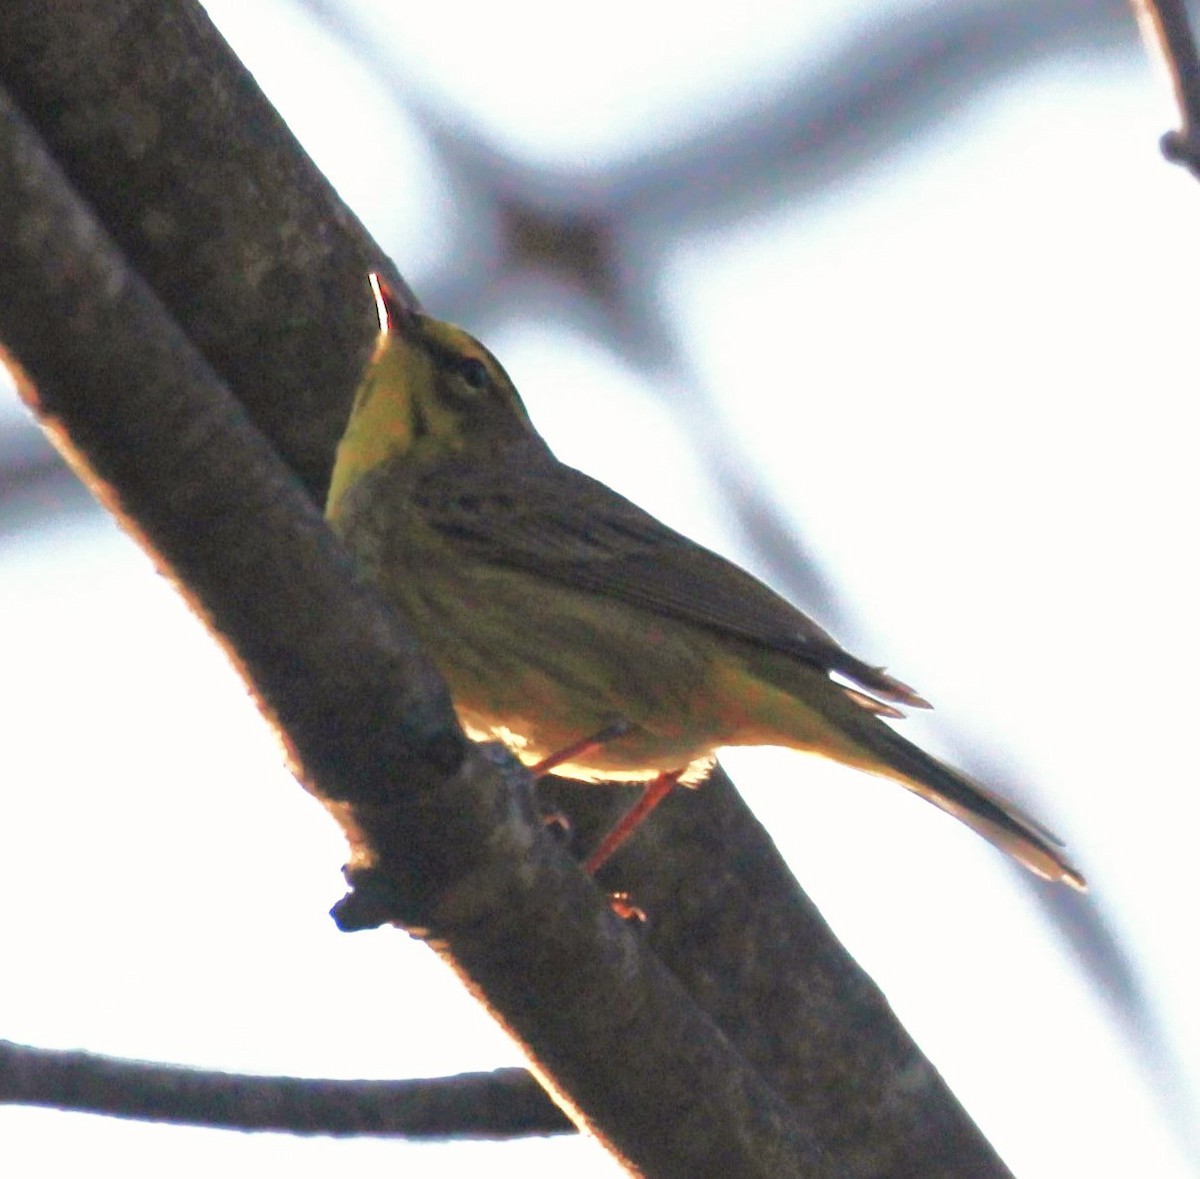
[[1168, 34]]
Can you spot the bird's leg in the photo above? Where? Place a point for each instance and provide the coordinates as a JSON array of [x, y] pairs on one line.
[[656, 790], [587, 745], [555, 819]]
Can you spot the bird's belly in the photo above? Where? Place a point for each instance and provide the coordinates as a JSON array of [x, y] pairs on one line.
[[543, 667]]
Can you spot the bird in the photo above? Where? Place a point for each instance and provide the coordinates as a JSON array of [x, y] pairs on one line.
[[590, 638]]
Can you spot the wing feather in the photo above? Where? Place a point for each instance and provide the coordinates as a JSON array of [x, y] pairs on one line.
[[528, 511]]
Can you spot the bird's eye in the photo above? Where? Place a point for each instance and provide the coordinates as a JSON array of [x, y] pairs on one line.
[[474, 372]]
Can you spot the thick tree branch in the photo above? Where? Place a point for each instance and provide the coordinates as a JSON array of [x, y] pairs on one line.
[[241, 238], [1168, 34], [611, 1028], [369, 725], [508, 1103]]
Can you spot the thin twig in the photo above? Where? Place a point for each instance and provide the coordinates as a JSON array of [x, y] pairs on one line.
[[507, 1103]]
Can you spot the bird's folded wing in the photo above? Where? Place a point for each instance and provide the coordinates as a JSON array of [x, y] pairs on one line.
[[528, 511]]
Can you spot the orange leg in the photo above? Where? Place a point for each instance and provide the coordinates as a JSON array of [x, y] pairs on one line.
[[656, 790], [587, 745]]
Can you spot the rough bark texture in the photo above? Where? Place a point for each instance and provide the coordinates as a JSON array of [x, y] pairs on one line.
[[453, 847], [212, 201], [735, 1036]]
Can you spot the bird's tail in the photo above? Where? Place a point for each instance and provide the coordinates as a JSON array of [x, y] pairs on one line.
[[999, 821], [790, 703]]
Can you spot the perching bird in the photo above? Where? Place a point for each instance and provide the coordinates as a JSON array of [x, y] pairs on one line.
[[594, 640]]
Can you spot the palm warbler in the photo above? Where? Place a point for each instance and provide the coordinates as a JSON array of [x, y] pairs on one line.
[[591, 638]]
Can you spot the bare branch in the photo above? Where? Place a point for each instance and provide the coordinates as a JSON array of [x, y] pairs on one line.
[[243, 241], [369, 725], [507, 1103], [1168, 35], [618, 1035]]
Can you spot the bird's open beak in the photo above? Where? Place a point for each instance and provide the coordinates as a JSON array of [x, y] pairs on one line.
[[394, 316]]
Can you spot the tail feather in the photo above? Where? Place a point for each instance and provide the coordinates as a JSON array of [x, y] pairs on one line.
[[877, 707], [877, 681], [999, 821], [789, 702]]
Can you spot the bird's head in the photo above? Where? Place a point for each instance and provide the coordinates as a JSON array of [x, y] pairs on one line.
[[430, 391]]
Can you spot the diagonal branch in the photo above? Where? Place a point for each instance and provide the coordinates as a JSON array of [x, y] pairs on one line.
[[367, 722], [505, 1104], [614, 1031], [243, 241]]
